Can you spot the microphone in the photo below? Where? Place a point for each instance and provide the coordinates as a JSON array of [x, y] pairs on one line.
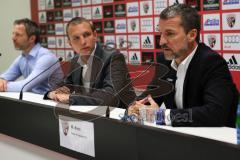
[[21, 92]]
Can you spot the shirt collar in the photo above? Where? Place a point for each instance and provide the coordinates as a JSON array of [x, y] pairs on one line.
[[33, 52], [185, 62], [89, 62]]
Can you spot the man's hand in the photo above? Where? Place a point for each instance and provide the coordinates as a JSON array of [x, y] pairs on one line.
[[134, 108], [3, 85], [63, 89], [62, 97]]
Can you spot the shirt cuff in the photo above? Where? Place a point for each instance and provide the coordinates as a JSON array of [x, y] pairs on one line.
[[167, 117]]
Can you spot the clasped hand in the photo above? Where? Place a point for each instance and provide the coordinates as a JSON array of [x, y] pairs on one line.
[[133, 109], [60, 95]]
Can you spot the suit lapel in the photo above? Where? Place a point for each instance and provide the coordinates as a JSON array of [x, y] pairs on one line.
[[187, 81], [97, 65]]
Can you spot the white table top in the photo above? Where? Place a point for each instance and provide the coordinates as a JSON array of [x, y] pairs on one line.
[[224, 134]]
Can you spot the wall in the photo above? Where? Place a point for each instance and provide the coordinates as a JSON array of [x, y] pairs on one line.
[[9, 11], [132, 25]]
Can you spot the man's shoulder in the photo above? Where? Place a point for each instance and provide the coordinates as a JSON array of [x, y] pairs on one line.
[[206, 53], [106, 52], [45, 52]]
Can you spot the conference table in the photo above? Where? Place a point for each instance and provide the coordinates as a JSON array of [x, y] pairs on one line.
[[34, 127]]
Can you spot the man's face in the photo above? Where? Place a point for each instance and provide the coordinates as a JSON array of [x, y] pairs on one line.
[[20, 38], [82, 38], [173, 39]]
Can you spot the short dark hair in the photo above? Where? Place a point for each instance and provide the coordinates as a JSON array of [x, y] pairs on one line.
[[79, 20], [31, 27], [189, 16]]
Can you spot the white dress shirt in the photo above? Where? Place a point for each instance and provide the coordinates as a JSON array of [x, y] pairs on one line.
[[87, 69], [181, 73]]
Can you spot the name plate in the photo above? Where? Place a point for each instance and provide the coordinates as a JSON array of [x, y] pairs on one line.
[[77, 135]]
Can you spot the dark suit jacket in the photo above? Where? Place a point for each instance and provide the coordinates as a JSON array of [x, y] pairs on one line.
[[209, 95], [110, 82]]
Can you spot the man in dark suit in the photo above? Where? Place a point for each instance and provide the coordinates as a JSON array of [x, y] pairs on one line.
[[99, 76], [204, 92]]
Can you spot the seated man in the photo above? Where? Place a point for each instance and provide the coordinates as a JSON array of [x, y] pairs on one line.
[[33, 61], [98, 76], [204, 92]]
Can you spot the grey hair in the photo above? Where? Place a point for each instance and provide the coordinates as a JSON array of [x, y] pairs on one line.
[[189, 16]]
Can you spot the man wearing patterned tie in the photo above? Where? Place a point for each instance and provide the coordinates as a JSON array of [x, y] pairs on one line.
[[33, 60]]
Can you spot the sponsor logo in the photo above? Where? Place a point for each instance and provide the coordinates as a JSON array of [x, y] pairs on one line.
[[97, 13], [51, 42], [147, 57], [210, 1], [176, 2], [147, 25], [231, 19], [98, 26], [134, 42], [232, 39], [133, 25], [65, 127], [212, 22], [121, 26], [133, 9], [121, 42], [160, 4], [108, 11], [108, 26], [59, 29], [120, 10], [134, 58], [146, 7], [147, 22], [60, 42], [233, 64], [76, 13], [67, 15], [230, 2], [75, 1], [147, 43], [211, 40]]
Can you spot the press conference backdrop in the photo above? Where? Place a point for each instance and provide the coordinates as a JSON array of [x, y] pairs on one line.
[[133, 26]]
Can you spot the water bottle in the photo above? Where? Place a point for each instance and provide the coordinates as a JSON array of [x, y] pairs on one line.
[[238, 125]]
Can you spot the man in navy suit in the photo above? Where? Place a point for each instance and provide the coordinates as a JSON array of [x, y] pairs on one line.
[[204, 92]]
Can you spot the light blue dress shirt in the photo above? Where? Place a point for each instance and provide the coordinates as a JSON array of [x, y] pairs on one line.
[[31, 65]]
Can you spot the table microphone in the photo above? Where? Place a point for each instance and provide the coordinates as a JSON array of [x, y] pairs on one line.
[[21, 92]]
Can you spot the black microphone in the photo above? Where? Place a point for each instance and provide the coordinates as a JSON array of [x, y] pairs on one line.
[[21, 92]]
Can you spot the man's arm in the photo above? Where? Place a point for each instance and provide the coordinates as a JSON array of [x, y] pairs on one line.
[[219, 98], [115, 86], [11, 74], [42, 64]]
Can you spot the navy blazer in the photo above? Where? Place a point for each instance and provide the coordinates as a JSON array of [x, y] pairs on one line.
[[210, 97]]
